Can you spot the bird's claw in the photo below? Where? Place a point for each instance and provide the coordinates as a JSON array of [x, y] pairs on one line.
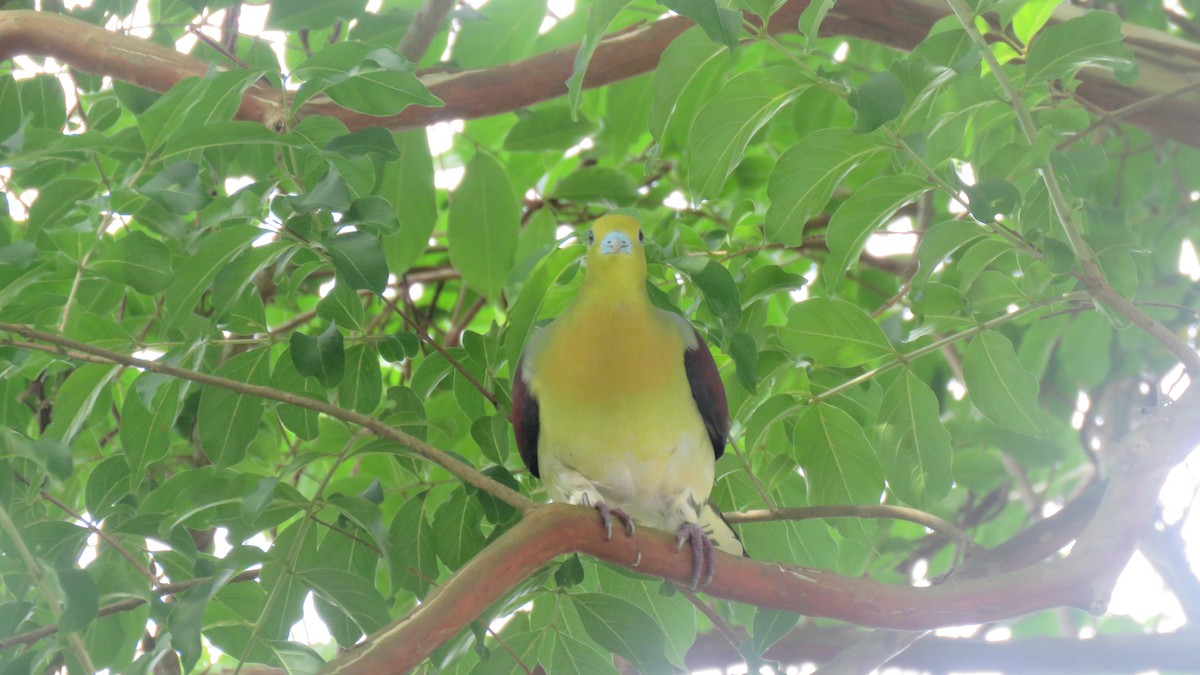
[[704, 558], [606, 517]]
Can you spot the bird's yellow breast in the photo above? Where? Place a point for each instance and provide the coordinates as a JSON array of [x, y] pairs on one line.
[[611, 382]]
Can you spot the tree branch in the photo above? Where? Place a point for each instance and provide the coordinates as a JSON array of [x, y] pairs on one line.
[[1165, 64], [81, 351], [878, 511], [1082, 579], [425, 26]]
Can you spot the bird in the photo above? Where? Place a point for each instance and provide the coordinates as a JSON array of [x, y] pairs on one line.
[[618, 405]]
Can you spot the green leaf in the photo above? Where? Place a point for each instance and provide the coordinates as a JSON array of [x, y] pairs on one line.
[[571, 655], [839, 463], [549, 128], [720, 24], [623, 628], [1031, 17], [359, 260], [483, 225], [321, 357], [599, 184], [291, 15], [864, 212], [214, 254], [715, 284], [413, 560], [687, 60], [296, 658], [834, 333], [330, 194], [106, 485], [456, 529], [285, 377], [366, 79], [362, 387], [941, 241], [767, 280], [227, 135], [341, 305], [807, 174], [913, 446], [671, 611], [600, 14], [877, 101], [1093, 39], [498, 32], [19, 254], [177, 189], [56, 200], [82, 596], [524, 311], [43, 102], [770, 625], [999, 385], [991, 197], [227, 422], [352, 594], [146, 425], [810, 23], [138, 260], [744, 352], [77, 398], [372, 140], [490, 433], [724, 126], [407, 184]]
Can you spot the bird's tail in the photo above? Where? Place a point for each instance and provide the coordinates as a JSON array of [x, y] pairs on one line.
[[719, 531]]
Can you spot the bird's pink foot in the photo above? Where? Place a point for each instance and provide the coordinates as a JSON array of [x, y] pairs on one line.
[[704, 559], [606, 518]]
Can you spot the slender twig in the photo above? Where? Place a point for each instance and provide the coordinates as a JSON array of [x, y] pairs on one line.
[[939, 344], [875, 511], [108, 538], [424, 337], [123, 606], [758, 486], [39, 579], [289, 561], [86, 352], [707, 610]]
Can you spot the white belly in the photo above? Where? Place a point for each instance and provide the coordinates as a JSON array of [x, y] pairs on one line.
[[660, 488]]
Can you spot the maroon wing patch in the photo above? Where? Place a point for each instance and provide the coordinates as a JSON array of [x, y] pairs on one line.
[[525, 420], [708, 391]]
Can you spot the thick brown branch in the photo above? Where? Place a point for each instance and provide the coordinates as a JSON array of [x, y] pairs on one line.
[[1082, 579], [1166, 65]]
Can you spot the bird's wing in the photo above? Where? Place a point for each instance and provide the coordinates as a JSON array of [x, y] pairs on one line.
[[705, 381], [525, 415]]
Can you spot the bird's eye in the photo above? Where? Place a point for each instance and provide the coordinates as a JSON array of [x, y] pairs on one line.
[[591, 237], [641, 237]]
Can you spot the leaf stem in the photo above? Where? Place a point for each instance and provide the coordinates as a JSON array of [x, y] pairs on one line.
[[879, 511], [943, 342]]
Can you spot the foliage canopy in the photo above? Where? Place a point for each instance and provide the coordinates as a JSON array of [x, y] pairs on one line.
[[248, 359]]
